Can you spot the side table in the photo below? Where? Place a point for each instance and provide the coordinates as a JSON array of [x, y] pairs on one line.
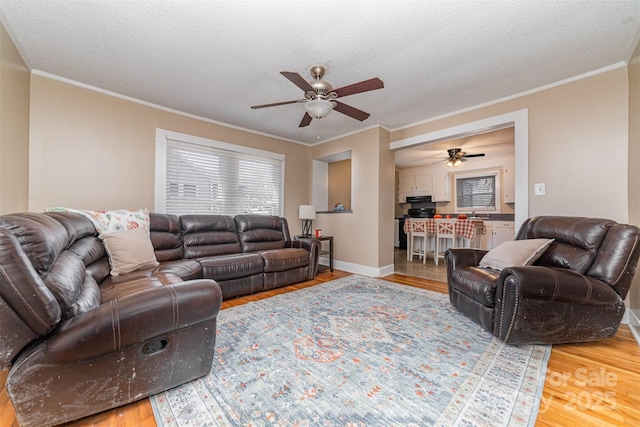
[[322, 251]]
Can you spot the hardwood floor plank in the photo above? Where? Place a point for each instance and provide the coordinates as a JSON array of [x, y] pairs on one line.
[[575, 390]]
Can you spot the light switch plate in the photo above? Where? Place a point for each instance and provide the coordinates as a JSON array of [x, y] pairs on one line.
[[538, 189]]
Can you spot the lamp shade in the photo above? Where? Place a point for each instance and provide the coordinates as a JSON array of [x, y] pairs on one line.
[[307, 212], [318, 108]]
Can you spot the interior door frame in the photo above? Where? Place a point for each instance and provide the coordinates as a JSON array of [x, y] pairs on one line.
[[519, 120]]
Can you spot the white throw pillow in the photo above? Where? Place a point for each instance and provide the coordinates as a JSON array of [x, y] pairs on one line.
[[515, 253], [129, 250]]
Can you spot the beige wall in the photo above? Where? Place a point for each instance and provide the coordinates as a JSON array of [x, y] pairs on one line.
[[634, 163], [360, 237], [340, 183], [14, 128], [578, 147], [94, 151]]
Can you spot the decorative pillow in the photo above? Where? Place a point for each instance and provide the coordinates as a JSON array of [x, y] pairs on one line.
[[114, 220], [515, 253], [129, 250]]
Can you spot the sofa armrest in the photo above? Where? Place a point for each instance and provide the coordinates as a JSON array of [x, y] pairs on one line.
[[313, 246], [548, 304], [135, 318]]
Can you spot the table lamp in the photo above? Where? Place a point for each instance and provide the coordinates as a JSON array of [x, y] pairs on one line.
[[307, 213]]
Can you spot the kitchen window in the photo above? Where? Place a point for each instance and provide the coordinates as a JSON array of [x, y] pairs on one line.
[[477, 191], [201, 176]]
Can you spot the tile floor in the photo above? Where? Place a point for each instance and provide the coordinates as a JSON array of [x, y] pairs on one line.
[[417, 268]]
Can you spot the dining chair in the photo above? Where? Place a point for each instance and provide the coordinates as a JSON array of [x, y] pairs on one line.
[[445, 230]]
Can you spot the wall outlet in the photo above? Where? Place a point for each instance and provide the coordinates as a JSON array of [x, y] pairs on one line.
[[538, 189]]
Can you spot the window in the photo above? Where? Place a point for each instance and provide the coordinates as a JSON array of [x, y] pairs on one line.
[[196, 175], [477, 191]]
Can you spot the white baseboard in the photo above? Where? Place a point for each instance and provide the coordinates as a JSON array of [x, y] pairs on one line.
[[363, 270]]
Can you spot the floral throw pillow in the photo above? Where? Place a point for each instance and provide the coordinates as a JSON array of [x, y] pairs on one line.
[[113, 220]]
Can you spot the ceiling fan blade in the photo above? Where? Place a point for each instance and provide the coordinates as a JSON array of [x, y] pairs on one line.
[[297, 80], [364, 86], [474, 155], [351, 111], [306, 119], [255, 107]]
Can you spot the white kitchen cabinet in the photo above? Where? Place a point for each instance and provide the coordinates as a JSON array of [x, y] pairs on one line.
[[486, 241], [508, 183], [441, 185], [414, 185], [497, 232], [406, 183]]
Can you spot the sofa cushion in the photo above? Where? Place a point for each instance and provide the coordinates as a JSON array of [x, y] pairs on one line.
[[209, 235], [261, 232], [187, 269], [515, 253], [129, 250], [284, 259], [166, 237], [227, 267]]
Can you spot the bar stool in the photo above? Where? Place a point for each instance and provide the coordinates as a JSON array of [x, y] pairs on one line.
[[418, 230], [445, 230]]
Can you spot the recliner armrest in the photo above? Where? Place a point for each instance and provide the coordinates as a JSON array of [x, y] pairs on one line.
[[555, 284], [456, 257], [135, 318]]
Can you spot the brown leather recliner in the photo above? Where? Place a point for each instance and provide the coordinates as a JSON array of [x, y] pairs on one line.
[[574, 292]]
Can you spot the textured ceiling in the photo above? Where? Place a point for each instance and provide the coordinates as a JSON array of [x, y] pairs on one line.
[[215, 59]]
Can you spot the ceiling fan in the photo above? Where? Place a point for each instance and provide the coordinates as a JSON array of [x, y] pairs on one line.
[[320, 96], [457, 156]]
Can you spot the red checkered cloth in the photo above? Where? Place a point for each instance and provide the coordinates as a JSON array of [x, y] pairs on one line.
[[464, 227]]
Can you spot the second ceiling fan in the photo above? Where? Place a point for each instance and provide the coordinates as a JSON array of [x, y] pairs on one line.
[[320, 97], [457, 156]]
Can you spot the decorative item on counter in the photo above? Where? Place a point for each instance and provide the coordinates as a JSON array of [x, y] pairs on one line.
[[437, 216], [318, 232], [462, 216], [448, 217], [339, 207]]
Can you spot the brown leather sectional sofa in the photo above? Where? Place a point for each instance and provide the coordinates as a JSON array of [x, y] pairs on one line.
[[244, 254], [79, 341]]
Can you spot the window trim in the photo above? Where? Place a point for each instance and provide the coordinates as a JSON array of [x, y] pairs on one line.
[[497, 172], [162, 135]]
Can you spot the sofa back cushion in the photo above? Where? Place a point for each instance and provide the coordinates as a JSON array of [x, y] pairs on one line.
[[576, 242], [59, 246], [618, 258], [262, 232], [208, 235], [166, 237]]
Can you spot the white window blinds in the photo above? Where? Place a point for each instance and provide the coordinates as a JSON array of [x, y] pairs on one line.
[[224, 179], [477, 191]]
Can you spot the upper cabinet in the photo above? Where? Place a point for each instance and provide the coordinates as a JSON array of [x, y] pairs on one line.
[[419, 184], [423, 183], [441, 182]]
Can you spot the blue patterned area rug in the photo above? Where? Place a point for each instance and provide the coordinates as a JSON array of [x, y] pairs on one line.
[[358, 351]]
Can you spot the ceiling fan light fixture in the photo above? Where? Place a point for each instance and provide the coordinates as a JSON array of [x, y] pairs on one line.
[[453, 162], [318, 108]]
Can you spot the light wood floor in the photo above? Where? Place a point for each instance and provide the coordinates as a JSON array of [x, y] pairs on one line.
[[590, 384]]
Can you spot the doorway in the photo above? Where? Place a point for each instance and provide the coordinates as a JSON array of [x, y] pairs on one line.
[[518, 120]]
